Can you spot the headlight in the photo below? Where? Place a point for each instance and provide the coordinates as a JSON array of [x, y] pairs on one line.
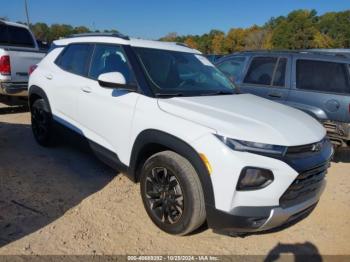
[[253, 147]]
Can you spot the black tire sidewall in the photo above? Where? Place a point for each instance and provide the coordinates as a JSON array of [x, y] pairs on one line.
[[47, 139], [173, 166]]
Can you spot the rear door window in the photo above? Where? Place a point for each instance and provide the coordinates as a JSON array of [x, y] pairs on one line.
[[232, 67], [76, 58], [322, 76]]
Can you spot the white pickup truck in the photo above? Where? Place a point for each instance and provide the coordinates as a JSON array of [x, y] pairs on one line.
[[18, 52]]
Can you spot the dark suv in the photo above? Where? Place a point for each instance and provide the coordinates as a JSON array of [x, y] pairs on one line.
[[314, 81]]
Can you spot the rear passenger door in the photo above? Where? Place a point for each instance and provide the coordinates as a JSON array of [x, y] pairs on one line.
[[322, 88], [68, 79], [266, 76]]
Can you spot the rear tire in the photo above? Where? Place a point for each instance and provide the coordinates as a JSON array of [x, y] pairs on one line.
[[172, 193], [42, 123]]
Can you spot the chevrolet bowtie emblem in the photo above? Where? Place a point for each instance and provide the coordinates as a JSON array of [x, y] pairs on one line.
[[316, 147]]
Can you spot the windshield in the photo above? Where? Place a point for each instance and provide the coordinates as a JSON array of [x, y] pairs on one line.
[[179, 73]]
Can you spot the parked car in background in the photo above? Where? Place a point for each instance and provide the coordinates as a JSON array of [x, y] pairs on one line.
[[164, 115], [339, 51], [18, 52], [314, 81], [213, 58]]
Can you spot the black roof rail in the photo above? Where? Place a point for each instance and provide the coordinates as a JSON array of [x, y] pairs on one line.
[[343, 54], [268, 51], [118, 35], [330, 52], [182, 44]]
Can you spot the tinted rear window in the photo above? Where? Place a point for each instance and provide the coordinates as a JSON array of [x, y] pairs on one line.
[[76, 58], [15, 36], [323, 76]]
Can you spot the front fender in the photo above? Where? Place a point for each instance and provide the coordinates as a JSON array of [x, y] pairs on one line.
[[152, 136]]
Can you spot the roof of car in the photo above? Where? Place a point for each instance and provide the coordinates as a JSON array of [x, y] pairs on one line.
[[116, 38], [328, 53], [13, 24]]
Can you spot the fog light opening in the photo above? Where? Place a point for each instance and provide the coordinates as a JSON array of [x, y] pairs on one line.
[[253, 178]]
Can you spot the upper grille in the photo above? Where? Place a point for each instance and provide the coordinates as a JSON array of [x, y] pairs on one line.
[[304, 149], [304, 186]]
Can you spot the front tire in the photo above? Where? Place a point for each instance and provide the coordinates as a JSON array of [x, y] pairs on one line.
[[42, 127], [172, 193]]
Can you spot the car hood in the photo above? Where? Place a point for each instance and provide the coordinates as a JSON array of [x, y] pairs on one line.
[[247, 117]]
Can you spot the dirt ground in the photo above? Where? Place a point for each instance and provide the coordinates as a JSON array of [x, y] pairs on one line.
[[64, 201]]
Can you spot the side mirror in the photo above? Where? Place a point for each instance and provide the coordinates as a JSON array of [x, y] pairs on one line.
[[115, 80]]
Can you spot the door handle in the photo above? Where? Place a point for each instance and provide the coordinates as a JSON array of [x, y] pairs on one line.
[[49, 76], [275, 95], [86, 89]]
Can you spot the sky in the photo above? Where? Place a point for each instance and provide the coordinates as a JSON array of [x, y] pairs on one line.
[[153, 19]]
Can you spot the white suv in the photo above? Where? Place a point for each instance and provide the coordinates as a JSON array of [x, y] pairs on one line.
[[164, 115]]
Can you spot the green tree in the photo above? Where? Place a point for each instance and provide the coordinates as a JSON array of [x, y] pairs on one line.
[[217, 39], [190, 41], [336, 26], [41, 31], [256, 37], [81, 30], [300, 29], [296, 32], [58, 31], [235, 40]]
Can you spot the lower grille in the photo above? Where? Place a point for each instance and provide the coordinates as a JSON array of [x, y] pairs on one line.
[[305, 186]]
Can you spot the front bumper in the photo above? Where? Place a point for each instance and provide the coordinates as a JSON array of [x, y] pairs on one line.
[[14, 88], [256, 219], [298, 184]]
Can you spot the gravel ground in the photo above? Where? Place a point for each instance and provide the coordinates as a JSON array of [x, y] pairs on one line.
[[64, 201]]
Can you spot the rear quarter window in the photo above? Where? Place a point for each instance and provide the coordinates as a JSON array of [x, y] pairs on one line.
[[322, 76]]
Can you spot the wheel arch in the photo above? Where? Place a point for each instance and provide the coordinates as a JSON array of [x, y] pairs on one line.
[[152, 141], [35, 93]]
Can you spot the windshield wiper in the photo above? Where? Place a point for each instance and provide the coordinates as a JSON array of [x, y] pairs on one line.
[[168, 94], [221, 92]]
